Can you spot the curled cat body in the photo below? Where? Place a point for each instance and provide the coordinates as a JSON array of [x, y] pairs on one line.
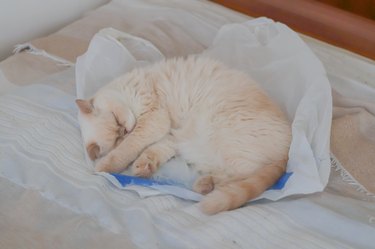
[[216, 118]]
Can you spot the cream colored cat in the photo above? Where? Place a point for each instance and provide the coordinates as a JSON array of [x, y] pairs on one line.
[[215, 118]]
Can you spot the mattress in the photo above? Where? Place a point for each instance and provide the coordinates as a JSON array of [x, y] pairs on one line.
[[51, 198]]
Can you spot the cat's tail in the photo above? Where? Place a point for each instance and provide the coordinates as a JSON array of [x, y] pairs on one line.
[[236, 193]]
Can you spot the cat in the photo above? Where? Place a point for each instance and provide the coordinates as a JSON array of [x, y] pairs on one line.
[[214, 117]]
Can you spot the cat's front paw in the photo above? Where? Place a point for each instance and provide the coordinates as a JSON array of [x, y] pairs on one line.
[[110, 164], [103, 164], [145, 166]]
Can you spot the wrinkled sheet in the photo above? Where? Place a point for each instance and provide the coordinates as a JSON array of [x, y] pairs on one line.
[[44, 157], [51, 200]]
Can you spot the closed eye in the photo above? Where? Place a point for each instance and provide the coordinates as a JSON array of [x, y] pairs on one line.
[[121, 128], [116, 119]]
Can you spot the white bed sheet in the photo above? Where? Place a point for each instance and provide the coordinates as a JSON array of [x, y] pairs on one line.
[[50, 198], [43, 159]]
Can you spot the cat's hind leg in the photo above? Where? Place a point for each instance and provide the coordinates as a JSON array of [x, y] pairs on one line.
[[154, 156], [228, 195]]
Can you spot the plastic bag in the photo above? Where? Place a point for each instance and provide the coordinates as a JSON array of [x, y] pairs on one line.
[[269, 52], [111, 53], [277, 58]]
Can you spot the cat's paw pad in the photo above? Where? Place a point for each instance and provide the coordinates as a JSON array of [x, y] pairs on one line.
[[144, 166], [204, 185]]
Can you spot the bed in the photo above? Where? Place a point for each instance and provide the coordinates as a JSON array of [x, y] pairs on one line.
[[50, 197]]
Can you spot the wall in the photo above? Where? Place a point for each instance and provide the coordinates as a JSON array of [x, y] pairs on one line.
[[364, 8], [316, 19], [23, 20]]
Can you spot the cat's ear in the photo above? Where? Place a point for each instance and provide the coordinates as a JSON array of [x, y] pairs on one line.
[[93, 150], [85, 106]]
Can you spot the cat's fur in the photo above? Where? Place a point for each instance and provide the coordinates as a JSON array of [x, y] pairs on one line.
[[215, 118]]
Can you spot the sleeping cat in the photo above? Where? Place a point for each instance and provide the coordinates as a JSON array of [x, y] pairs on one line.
[[215, 118]]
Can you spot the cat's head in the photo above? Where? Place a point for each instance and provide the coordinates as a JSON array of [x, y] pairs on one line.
[[104, 124]]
